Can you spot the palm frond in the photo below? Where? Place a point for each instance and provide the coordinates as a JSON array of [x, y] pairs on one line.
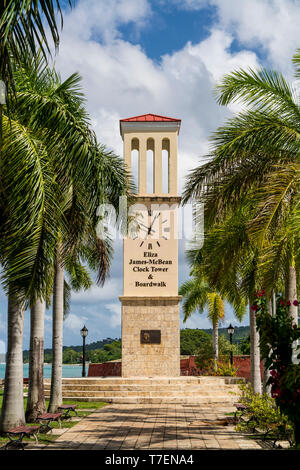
[[23, 25], [266, 90], [216, 309]]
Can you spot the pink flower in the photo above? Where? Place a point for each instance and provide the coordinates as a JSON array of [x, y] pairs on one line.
[[260, 293], [296, 303], [254, 307], [289, 303]]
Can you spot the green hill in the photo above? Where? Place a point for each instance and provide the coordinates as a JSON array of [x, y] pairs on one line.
[[110, 349], [240, 332], [78, 349]]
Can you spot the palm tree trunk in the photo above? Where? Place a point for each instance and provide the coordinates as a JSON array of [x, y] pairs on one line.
[[215, 333], [13, 404], [36, 400], [57, 335], [254, 353], [292, 294], [266, 372]]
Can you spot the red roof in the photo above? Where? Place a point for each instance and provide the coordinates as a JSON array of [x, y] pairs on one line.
[[150, 118]]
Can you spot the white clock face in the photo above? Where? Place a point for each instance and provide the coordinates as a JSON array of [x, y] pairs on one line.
[[153, 227]]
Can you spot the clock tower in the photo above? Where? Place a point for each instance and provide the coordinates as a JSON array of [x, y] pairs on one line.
[[150, 301]]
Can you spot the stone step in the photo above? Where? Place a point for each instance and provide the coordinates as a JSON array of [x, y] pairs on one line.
[[155, 400], [151, 380], [151, 390], [145, 388], [174, 393]]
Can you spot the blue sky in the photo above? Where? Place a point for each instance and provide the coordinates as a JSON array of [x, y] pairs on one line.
[[170, 28], [163, 57]]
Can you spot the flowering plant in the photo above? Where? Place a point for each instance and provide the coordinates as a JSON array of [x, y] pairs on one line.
[[278, 336]]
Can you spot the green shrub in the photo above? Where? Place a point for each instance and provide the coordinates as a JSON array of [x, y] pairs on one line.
[[225, 369], [211, 367], [263, 415]]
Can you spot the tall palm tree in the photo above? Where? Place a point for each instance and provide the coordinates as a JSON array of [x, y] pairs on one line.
[[48, 147], [36, 399], [25, 222], [95, 257], [13, 404], [229, 262], [198, 295], [256, 152]]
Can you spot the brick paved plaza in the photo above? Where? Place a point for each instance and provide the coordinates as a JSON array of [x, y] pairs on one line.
[[162, 426]]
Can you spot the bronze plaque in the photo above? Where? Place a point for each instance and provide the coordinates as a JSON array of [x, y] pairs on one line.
[[150, 336]]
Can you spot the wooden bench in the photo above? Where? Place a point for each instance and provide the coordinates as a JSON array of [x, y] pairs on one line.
[[67, 409], [20, 432], [46, 418]]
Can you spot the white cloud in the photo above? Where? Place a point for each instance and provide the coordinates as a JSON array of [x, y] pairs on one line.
[[187, 4], [272, 25], [196, 321], [100, 19], [120, 81], [74, 322], [115, 318], [111, 290]]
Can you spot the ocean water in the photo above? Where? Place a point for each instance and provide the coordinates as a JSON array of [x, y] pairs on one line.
[[67, 370]]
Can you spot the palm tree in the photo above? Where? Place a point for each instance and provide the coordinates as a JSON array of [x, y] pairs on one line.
[[48, 147], [256, 152], [230, 264], [13, 406], [36, 399], [24, 222], [95, 257], [23, 29], [77, 238], [197, 296], [255, 156]]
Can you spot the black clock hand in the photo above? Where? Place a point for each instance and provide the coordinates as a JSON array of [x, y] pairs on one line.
[[145, 226], [149, 229]]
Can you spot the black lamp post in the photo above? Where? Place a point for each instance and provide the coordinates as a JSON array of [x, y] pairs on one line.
[[84, 332], [230, 331]]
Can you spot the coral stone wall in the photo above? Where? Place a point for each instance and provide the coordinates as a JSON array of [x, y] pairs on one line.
[[244, 367], [106, 369], [242, 363], [187, 367]]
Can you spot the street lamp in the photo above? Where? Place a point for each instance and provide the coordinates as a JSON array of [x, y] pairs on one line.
[[84, 332], [230, 331]]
